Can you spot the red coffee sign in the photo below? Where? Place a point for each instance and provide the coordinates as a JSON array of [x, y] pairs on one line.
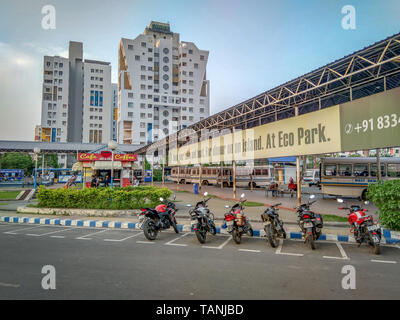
[[89, 157]]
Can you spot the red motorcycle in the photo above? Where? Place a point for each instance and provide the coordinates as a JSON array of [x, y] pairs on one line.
[[363, 226], [236, 222]]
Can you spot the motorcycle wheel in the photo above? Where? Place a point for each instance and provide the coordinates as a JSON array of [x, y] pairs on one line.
[[175, 226], [250, 232], [201, 236], [311, 242], [377, 248], [149, 230], [237, 237], [271, 236]]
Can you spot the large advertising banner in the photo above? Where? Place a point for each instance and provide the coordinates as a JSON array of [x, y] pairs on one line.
[[312, 133], [371, 122], [366, 123]]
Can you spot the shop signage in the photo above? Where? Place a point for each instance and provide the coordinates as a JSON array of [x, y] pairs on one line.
[[90, 157]]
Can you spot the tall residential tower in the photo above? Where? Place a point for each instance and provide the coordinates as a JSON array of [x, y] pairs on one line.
[[76, 100], [162, 85]]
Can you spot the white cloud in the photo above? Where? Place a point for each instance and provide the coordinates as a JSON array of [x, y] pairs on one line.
[[20, 93]]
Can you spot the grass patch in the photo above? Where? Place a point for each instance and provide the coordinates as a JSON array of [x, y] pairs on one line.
[[3, 204], [31, 205], [334, 218], [253, 204], [9, 194]]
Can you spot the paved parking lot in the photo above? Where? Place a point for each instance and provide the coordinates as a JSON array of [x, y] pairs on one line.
[[98, 263], [292, 247]]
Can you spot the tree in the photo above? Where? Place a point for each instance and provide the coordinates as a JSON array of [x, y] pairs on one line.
[[50, 161], [15, 160]]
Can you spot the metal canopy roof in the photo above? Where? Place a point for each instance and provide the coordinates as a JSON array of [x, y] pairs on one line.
[[366, 72], [60, 147]]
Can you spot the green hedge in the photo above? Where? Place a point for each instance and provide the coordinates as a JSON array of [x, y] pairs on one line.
[[102, 198], [386, 196]]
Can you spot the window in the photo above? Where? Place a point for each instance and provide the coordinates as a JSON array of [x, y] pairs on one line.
[[130, 94], [143, 68], [142, 96], [201, 58], [166, 59], [344, 170], [130, 104], [393, 170], [143, 44], [361, 170], [130, 114], [196, 65], [330, 170], [374, 171], [190, 74], [143, 87], [137, 58], [166, 50], [130, 47], [190, 51]]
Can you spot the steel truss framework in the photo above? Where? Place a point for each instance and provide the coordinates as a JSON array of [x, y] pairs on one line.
[[366, 72]]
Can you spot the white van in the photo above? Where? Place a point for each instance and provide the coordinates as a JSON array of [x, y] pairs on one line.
[[311, 177]]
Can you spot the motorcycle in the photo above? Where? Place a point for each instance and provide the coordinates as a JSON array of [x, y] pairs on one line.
[[160, 218], [311, 224], [273, 226], [202, 219], [363, 226], [236, 222]]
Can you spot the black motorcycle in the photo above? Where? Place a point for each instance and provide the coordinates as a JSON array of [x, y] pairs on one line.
[[273, 226], [310, 223], [160, 218], [202, 219], [236, 222]]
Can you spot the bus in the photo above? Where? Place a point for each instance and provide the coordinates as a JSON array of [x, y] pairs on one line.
[[245, 176], [350, 176]]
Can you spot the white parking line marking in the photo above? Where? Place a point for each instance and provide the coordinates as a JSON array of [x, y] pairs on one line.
[[342, 252], [147, 242], [170, 243], [59, 237], [219, 247], [9, 285], [45, 234], [90, 234], [249, 250], [13, 231], [120, 240], [279, 249], [383, 261]]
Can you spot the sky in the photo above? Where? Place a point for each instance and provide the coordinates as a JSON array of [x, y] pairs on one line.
[[254, 45]]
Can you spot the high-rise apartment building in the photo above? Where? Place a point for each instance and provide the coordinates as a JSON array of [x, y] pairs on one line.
[[76, 100], [162, 85]]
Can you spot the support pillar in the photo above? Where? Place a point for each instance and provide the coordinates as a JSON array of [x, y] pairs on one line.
[[378, 164], [234, 178], [298, 180]]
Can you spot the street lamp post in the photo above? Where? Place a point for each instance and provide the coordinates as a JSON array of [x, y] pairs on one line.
[[112, 145], [36, 152]]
